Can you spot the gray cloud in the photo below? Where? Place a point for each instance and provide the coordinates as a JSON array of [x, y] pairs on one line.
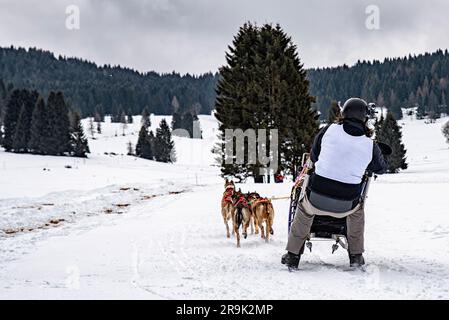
[[192, 35]]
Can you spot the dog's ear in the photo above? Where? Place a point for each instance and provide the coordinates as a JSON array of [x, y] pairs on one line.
[[226, 181]]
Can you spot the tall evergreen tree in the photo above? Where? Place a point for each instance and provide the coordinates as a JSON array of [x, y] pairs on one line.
[[187, 123], [98, 118], [99, 113], [146, 118], [130, 148], [144, 146], [151, 145], [21, 136], [163, 143], [60, 124], [99, 130], [445, 131], [18, 120], [91, 127], [124, 122], [389, 132], [176, 122], [264, 86], [129, 117], [12, 112], [40, 128], [3, 97], [78, 140], [334, 112]]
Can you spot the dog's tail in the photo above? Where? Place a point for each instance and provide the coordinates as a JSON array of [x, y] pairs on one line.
[[239, 217]]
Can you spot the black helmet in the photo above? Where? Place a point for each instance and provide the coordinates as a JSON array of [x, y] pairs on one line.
[[355, 108]]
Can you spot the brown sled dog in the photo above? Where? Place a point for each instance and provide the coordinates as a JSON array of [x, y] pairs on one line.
[[264, 212], [241, 215], [227, 208], [252, 198]]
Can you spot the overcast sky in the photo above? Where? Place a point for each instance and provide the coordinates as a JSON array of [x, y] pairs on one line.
[[193, 35]]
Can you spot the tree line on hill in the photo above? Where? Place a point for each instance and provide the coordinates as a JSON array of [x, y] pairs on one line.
[[34, 125], [420, 81], [112, 89]]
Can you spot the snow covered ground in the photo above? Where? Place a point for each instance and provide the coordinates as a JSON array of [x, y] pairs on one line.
[[114, 226]]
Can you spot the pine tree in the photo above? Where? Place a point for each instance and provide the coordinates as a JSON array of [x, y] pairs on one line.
[[99, 130], [124, 122], [146, 118], [144, 146], [79, 144], [176, 122], [163, 144], [58, 114], [389, 132], [12, 112], [150, 147], [187, 123], [334, 112], [17, 122], [446, 131], [99, 113], [20, 141], [3, 95], [40, 128], [91, 128], [130, 148], [196, 127], [129, 117], [264, 86]]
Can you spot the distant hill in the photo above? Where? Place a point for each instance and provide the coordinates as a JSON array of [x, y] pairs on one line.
[[111, 88], [415, 81]]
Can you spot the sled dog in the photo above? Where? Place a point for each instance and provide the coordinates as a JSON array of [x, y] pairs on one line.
[[252, 200], [264, 212], [241, 215], [227, 208]]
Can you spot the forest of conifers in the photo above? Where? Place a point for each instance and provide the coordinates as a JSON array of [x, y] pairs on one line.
[[415, 81]]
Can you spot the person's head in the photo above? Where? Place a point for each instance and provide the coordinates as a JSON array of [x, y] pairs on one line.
[[356, 110]]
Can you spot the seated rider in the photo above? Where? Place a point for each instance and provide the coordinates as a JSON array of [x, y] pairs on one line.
[[341, 154]]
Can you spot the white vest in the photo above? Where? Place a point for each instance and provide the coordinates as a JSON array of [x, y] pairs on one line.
[[343, 157]]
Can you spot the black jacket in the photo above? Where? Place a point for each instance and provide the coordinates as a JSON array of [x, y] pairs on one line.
[[338, 189]]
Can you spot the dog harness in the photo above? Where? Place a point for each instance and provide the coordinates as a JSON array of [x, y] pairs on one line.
[[241, 201], [227, 197]]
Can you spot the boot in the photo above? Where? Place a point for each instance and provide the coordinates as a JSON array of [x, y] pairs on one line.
[[291, 260], [356, 260]]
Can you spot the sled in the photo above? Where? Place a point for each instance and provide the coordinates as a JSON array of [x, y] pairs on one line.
[[335, 229], [324, 228]]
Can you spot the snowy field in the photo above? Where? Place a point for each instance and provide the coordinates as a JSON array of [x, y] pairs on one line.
[[113, 226]]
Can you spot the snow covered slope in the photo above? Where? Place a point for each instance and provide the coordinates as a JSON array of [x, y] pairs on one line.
[[142, 229]]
